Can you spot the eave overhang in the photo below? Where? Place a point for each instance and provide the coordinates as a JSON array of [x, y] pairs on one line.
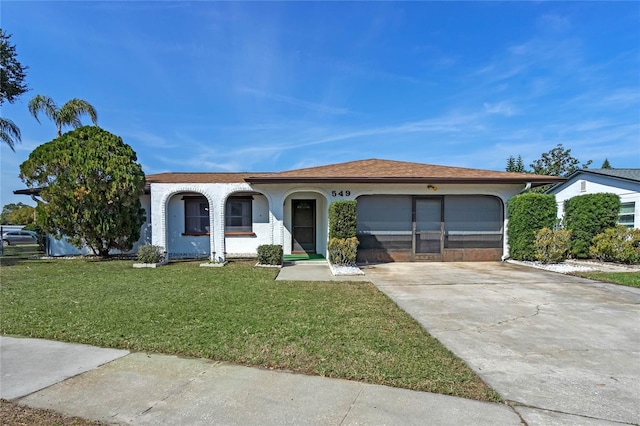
[[408, 180]]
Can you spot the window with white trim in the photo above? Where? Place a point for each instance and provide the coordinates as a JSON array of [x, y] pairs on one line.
[[196, 215], [627, 216], [238, 217]]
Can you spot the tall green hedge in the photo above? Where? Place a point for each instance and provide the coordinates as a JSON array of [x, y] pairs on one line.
[[343, 244], [343, 220], [528, 213], [587, 216]]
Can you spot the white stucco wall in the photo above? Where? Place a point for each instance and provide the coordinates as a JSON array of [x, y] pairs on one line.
[[166, 202], [626, 190]]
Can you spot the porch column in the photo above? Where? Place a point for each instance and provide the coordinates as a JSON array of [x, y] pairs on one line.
[[158, 217], [276, 217], [216, 217]]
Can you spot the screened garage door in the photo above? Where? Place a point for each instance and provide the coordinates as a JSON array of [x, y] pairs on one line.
[[449, 227]]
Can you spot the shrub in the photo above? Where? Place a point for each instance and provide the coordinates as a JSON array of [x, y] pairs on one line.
[[528, 213], [343, 244], [587, 216], [552, 246], [619, 244], [343, 216], [270, 254], [343, 251], [150, 254]]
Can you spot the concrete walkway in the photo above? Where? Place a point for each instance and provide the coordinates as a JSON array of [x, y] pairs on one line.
[[561, 349], [143, 389], [313, 271]]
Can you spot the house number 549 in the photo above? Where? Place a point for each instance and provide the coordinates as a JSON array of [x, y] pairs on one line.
[[340, 193]]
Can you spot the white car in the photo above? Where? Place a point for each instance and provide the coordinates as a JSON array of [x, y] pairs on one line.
[[14, 238]]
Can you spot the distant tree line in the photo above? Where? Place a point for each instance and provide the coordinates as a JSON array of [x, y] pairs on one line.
[[556, 162]]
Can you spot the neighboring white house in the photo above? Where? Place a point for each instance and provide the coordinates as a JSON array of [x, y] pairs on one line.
[[406, 211], [623, 182]]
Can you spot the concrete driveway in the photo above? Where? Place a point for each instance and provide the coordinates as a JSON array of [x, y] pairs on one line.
[[562, 350]]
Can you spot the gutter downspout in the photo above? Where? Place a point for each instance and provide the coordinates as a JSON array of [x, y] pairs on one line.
[[526, 188]]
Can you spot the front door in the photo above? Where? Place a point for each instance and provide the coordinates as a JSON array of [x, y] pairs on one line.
[[304, 226]]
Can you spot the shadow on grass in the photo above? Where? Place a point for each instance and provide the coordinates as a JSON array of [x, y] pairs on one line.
[[14, 255]]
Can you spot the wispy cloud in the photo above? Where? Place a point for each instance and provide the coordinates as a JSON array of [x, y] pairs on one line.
[[501, 108], [148, 139], [294, 101]]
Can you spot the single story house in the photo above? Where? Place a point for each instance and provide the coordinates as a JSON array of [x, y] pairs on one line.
[[406, 211], [623, 182]]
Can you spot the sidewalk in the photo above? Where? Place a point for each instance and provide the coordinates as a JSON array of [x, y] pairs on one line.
[[117, 387]]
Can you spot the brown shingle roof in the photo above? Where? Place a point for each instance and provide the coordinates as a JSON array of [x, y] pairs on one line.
[[363, 171], [380, 171], [199, 177]]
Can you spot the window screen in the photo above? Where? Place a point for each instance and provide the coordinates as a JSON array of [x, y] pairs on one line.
[[384, 222], [196, 215], [238, 215], [473, 221]]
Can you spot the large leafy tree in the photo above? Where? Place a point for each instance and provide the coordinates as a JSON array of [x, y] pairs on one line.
[[67, 115], [557, 162], [12, 85], [16, 214], [91, 186]]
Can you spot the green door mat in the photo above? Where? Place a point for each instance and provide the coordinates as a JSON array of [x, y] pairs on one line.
[[303, 256]]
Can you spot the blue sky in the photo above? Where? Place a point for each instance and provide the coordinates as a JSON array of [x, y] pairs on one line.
[[270, 86]]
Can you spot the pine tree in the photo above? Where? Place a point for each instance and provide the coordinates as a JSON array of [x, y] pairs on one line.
[[514, 165], [606, 164]]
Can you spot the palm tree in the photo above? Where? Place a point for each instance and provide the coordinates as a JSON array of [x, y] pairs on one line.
[[9, 133], [67, 115]]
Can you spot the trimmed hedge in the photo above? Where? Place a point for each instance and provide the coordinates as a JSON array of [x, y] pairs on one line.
[[343, 219], [343, 244], [587, 216], [270, 254], [343, 251], [528, 213]]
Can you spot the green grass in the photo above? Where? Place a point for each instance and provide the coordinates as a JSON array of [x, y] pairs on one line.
[[630, 279], [237, 313]]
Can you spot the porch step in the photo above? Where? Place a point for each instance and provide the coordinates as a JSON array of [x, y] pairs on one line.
[[304, 257]]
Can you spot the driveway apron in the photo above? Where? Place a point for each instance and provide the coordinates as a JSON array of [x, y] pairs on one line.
[[560, 349]]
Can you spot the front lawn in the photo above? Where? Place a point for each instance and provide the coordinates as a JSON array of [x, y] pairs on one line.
[[630, 279], [237, 313]]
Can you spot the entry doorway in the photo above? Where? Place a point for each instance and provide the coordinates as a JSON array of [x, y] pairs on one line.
[[304, 226], [428, 224]]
